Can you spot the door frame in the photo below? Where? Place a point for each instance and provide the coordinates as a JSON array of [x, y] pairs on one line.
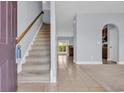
[[117, 47], [108, 45]]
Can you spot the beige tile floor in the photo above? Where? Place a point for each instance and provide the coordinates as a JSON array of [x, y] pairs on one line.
[[72, 77]]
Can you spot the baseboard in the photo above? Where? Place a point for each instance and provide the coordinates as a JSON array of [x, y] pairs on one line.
[[74, 61], [19, 67], [44, 82], [27, 50], [88, 62], [121, 62], [93, 62], [53, 76]]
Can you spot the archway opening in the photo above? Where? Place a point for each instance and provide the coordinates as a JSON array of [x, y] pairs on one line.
[[110, 44]]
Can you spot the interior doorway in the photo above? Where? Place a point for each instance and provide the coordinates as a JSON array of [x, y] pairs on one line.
[[110, 44], [64, 51], [63, 47]]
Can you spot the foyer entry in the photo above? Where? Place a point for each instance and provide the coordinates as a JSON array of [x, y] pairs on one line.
[[110, 44]]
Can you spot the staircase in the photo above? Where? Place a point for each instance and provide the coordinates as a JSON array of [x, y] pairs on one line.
[[37, 65]]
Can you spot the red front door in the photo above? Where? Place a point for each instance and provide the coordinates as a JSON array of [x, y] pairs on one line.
[[8, 28]]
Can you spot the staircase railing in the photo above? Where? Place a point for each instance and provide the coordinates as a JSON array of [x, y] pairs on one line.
[[19, 38]]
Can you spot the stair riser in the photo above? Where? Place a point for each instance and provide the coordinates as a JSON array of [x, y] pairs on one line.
[[39, 53], [42, 38], [35, 54], [36, 44], [41, 43], [34, 60], [37, 78], [42, 62], [35, 68], [37, 63], [44, 30], [40, 47], [38, 57], [43, 46], [45, 34]]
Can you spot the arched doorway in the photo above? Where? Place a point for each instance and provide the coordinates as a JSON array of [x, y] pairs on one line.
[[110, 44]]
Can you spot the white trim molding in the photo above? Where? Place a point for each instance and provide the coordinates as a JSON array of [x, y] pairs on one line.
[[121, 62], [53, 69], [74, 61], [88, 62]]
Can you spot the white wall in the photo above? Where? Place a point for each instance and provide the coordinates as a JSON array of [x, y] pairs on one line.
[[46, 5], [89, 36], [27, 12], [53, 67], [46, 9], [69, 39], [66, 10]]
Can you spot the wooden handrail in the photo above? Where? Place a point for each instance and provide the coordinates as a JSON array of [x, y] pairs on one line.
[[18, 39]]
